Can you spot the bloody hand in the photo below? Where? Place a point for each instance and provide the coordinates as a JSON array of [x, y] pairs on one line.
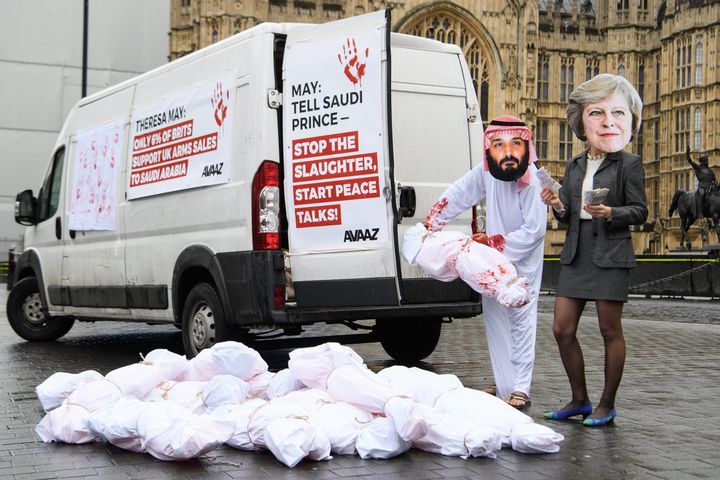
[[480, 238]]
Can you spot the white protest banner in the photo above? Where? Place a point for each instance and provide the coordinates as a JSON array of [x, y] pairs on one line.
[[96, 160], [333, 134], [182, 141]]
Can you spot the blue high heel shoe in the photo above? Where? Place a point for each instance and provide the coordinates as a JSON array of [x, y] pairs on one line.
[[584, 410], [599, 422]]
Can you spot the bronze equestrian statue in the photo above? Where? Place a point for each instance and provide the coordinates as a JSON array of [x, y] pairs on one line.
[[703, 202]]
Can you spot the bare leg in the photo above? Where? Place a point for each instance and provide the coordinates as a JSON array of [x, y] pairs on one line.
[[609, 319], [567, 317]]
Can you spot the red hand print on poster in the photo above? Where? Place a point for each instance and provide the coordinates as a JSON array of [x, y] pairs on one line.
[[354, 66], [219, 103]]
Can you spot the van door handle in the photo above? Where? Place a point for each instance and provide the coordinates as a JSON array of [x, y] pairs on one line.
[[407, 202], [58, 227]]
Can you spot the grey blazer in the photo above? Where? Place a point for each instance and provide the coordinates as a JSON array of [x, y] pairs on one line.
[[623, 174]]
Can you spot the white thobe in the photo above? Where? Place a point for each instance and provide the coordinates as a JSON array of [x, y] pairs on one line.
[[521, 217]]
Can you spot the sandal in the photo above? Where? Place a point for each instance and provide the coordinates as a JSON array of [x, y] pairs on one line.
[[519, 397], [491, 389]]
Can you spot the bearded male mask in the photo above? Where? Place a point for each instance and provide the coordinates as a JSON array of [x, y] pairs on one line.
[[509, 149]]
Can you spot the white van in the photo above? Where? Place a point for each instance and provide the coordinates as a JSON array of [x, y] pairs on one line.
[[263, 182]]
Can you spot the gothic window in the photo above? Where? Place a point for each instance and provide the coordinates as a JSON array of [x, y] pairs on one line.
[[677, 67], [566, 140], [621, 69], [682, 129], [656, 198], [698, 62], [592, 68], [641, 80], [639, 141], [657, 77], [688, 63], [623, 9], [683, 60], [656, 157], [484, 95], [686, 137], [543, 77], [445, 27], [567, 75], [698, 128], [541, 140]]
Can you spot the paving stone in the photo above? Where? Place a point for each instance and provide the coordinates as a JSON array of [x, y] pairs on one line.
[[666, 426], [37, 476]]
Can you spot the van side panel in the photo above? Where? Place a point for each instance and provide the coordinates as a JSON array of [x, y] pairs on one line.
[[217, 217], [94, 261], [432, 149], [349, 262]]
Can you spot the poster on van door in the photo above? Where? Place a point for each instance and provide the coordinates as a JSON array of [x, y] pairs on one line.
[[182, 141], [96, 161], [333, 135]]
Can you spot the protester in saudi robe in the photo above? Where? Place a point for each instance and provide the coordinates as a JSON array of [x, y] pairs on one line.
[[516, 221]]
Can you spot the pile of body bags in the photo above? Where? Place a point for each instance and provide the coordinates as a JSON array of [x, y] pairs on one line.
[[326, 402], [447, 255]]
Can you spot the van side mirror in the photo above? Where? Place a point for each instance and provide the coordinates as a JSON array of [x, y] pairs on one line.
[[26, 208]]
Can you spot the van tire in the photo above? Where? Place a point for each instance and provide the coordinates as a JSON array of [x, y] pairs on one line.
[[408, 340], [203, 320], [28, 316]]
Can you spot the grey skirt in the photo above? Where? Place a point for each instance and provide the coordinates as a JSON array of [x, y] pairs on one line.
[[583, 279]]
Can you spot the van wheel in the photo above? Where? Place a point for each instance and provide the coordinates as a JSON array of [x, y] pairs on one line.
[[203, 320], [408, 340], [28, 316]]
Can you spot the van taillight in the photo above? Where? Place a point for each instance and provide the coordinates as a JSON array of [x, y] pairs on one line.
[[266, 207]]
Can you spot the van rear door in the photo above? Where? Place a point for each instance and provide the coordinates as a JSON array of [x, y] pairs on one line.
[[338, 188], [436, 133]]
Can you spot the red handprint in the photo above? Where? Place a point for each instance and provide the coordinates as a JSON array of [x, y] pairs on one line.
[[354, 68], [219, 104]]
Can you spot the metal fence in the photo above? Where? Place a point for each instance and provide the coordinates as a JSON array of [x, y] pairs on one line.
[[691, 275], [6, 245]]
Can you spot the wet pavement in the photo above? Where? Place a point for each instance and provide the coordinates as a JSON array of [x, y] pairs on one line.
[[667, 424]]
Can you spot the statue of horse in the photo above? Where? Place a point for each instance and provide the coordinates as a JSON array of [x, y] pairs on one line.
[[686, 206]]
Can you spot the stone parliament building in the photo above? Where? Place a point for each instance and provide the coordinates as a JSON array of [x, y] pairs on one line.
[[525, 58]]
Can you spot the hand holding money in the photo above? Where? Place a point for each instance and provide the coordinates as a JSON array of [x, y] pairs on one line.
[[546, 180], [595, 197]]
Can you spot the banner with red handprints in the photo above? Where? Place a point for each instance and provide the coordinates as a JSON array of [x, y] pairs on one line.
[[182, 141], [95, 166], [333, 128]]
